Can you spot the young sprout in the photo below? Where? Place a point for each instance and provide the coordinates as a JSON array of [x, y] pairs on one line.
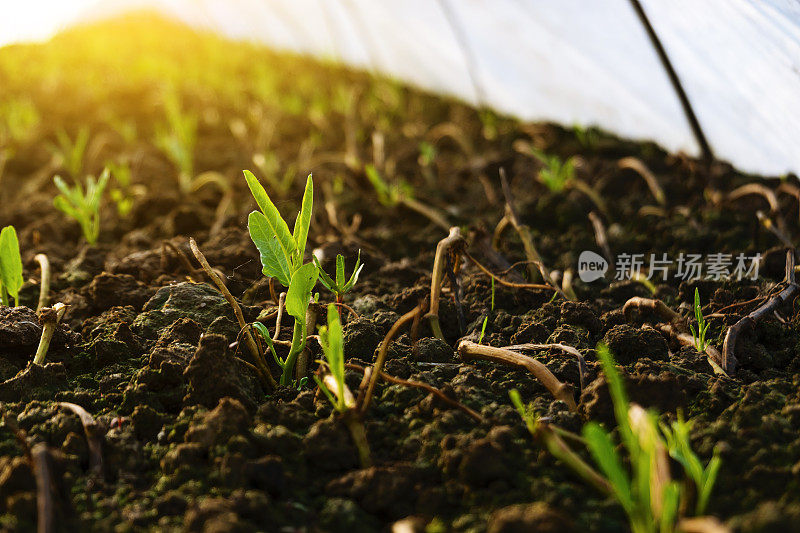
[[649, 496], [699, 334], [340, 286], [10, 266], [282, 255], [124, 191], [402, 194], [486, 318], [555, 174], [49, 317], [83, 205], [71, 152], [333, 386], [177, 139]]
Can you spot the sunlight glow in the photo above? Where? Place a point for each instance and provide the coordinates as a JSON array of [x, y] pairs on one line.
[[36, 20]]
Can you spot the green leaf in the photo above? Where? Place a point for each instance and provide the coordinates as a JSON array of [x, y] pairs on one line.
[[299, 293], [340, 271], [670, 503], [356, 271], [272, 217], [324, 278], [709, 478], [274, 262], [606, 457], [618, 398], [10, 263], [303, 221], [263, 332]]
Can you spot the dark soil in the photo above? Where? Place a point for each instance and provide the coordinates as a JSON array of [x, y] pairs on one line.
[[190, 438]]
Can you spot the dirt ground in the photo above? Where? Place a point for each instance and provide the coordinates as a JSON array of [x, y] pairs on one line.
[[189, 439]]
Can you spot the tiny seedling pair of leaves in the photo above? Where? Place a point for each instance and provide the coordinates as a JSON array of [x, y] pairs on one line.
[[10, 266], [340, 285], [83, 205], [281, 252], [388, 195]]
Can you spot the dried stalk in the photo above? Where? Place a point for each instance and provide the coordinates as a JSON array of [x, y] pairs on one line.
[[42, 470], [452, 241], [470, 351], [729, 346], [419, 385], [524, 233], [640, 168], [674, 326], [94, 436], [501, 281], [377, 368], [582, 368], [601, 237], [49, 318], [44, 287], [258, 356], [770, 226]]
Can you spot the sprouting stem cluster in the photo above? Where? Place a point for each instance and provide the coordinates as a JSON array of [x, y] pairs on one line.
[[652, 500], [699, 334], [83, 205]]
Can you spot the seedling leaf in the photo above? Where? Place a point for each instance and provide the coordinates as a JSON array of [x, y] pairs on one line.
[[10, 264], [299, 293], [303, 222], [273, 260], [272, 217]]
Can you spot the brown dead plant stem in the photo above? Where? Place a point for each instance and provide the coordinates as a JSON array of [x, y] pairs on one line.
[[258, 357], [471, 351], [729, 345], [453, 243]]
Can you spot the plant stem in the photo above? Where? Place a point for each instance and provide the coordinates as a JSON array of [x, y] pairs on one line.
[[437, 276], [44, 287], [359, 436], [49, 318], [302, 359], [298, 345]]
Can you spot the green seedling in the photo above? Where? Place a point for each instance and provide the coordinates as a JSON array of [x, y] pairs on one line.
[[341, 285], [282, 255], [555, 174], [333, 386], [71, 153], [699, 334], [10, 266], [18, 119], [649, 496], [83, 205], [124, 192], [402, 194], [486, 318], [388, 195], [177, 139]]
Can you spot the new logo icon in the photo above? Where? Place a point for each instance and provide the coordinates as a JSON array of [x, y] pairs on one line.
[[591, 266]]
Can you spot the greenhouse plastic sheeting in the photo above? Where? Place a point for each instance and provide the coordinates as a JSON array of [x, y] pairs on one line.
[[586, 62]]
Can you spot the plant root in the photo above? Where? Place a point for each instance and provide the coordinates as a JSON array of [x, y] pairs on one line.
[[470, 351]]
